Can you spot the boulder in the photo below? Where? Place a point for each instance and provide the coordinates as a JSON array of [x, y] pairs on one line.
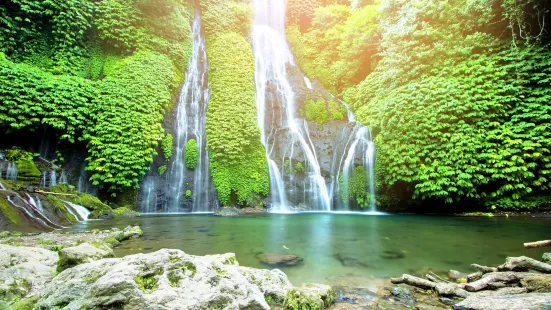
[[229, 212], [24, 271], [274, 284], [532, 301], [457, 276], [537, 283], [166, 279], [82, 254], [309, 296], [546, 258], [279, 260]]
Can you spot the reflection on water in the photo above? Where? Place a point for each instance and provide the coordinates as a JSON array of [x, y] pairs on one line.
[[340, 248]]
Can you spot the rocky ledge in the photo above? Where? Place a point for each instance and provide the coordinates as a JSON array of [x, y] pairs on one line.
[[87, 276]]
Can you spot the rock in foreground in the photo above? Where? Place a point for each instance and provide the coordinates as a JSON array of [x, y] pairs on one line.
[[532, 301], [166, 279]]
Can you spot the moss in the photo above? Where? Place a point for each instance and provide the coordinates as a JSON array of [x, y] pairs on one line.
[[125, 213], [92, 277], [167, 146], [9, 211], [13, 185], [16, 290], [60, 188], [220, 272], [174, 278], [148, 284], [28, 172], [190, 267], [26, 304], [188, 193], [58, 205], [304, 299]]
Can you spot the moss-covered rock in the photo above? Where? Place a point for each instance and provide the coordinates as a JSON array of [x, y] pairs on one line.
[[537, 283], [309, 297], [9, 211], [82, 254], [125, 213], [28, 172]]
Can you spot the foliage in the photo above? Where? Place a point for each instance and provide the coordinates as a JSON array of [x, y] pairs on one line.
[[238, 159], [27, 172], [321, 112], [356, 189], [31, 97], [188, 193], [161, 170], [16, 154], [191, 154], [167, 146], [458, 113], [341, 46], [222, 16], [122, 145]]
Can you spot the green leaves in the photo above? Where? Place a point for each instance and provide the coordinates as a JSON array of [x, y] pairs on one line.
[[191, 154]]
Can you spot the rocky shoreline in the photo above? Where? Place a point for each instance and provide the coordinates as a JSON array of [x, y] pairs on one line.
[[68, 270]]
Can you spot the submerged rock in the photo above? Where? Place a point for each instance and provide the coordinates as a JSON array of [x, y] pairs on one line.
[[533, 301], [82, 254], [275, 260], [309, 296], [351, 261], [393, 254], [166, 279], [229, 212]]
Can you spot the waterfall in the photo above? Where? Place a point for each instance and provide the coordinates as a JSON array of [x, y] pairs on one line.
[[53, 178], [63, 178], [11, 172], [81, 211], [272, 56], [41, 218], [2, 186], [308, 83], [187, 189]]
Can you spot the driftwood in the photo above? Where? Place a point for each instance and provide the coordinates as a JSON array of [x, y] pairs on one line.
[[444, 289], [538, 244], [496, 280], [524, 263], [487, 281], [56, 194]]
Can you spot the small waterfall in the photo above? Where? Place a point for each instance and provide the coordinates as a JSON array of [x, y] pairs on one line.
[[63, 178], [53, 178], [183, 188], [84, 185], [272, 56], [2, 186], [308, 83], [39, 204], [78, 211], [11, 172], [41, 218]]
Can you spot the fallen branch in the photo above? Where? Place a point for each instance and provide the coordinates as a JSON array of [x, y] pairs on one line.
[[524, 263], [57, 194], [484, 269], [538, 244], [443, 289], [496, 280]]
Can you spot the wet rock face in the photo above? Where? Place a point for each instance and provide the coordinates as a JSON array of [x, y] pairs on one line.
[[279, 260], [167, 279]]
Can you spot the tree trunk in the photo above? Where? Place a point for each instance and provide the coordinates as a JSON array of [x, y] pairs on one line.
[[538, 244]]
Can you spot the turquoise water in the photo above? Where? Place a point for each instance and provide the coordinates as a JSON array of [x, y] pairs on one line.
[[340, 248]]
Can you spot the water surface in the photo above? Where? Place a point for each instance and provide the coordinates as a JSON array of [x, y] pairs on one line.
[[340, 248]]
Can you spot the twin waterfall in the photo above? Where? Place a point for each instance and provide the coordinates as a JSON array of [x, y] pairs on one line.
[[298, 182]]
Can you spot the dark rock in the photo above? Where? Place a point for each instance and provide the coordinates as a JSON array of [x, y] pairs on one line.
[[276, 260], [457, 276], [401, 292], [351, 261], [392, 254], [447, 301], [229, 212], [102, 215]]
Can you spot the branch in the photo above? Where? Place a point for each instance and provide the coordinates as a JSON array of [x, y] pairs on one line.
[[57, 194], [538, 244], [524, 263]]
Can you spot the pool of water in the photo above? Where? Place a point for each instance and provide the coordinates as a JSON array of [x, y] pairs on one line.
[[340, 249]]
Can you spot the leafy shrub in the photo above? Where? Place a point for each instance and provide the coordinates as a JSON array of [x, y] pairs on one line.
[[191, 154], [167, 145]]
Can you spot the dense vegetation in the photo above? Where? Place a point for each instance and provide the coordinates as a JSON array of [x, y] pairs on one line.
[[456, 92], [101, 72], [238, 163]]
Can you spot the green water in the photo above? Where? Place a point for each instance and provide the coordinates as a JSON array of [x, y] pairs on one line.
[[374, 246]]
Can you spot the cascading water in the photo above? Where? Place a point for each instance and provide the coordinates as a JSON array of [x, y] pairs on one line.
[[183, 184], [274, 93], [79, 212], [11, 172]]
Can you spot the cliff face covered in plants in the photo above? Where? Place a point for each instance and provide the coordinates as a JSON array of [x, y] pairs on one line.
[[456, 94]]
